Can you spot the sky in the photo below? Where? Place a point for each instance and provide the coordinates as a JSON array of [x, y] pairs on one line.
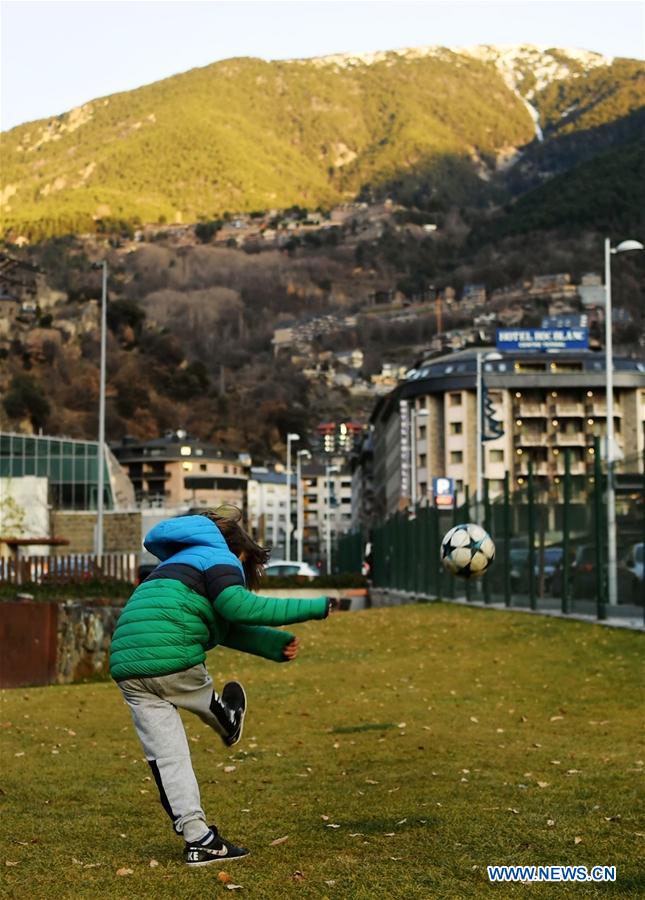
[[58, 55]]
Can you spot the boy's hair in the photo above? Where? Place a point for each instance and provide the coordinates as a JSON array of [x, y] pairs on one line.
[[227, 519]]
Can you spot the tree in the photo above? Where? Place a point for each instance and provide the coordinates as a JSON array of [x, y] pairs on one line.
[[26, 397]]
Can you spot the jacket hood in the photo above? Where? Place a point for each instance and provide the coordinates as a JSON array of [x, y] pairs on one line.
[[170, 537]]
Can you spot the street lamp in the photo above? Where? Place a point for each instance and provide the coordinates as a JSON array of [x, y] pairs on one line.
[[328, 471], [481, 359], [612, 578], [290, 438], [300, 512], [98, 541], [414, 414]]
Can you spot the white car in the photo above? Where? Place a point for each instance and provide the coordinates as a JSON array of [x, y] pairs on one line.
[[283, 567]]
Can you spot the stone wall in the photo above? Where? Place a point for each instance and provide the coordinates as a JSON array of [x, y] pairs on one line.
[[121, 531], [84, 635]]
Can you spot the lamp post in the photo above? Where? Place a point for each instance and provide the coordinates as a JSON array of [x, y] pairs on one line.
[[300, 512], [328, 471], [98, 541], [414, 414], [612, 582], [479, 437], [290, 438]]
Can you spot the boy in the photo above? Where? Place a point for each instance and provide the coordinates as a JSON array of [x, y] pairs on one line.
[[197, 598]]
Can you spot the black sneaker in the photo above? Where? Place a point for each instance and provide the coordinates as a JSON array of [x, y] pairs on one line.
[[217, 850], [234, 698]]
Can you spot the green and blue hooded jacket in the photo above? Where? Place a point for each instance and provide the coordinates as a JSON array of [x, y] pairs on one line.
[[194, 600]]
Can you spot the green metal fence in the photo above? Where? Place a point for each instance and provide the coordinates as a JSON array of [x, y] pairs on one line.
[[551, 548]]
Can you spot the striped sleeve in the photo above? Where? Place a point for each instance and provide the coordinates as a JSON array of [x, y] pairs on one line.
[[236, 604]]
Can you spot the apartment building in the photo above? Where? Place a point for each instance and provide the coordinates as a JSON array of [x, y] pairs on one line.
[[326, 497], [546, 403], [178, 470], [267, 508]]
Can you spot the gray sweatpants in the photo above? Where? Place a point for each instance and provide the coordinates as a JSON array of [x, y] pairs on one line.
[[153, 703]]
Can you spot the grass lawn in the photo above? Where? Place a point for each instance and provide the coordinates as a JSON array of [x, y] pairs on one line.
[[403, 752]]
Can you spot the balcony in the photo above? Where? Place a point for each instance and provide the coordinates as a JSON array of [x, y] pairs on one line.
[[151, 477], [539, 468], [569, 410], [529, 410], [576, 467], [568, 439], [598, 408], [525, 438]]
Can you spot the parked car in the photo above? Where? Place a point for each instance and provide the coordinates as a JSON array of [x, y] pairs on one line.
[[519, 558], [284, 567], [583, 578], [631, 574], [582, 574]]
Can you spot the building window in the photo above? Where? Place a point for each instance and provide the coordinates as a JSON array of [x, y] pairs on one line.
[[203, 467], [185, 451], [225, 469], [459, 485], [422, 432], [497, 456], [423, 461], [455, 399], [187, 467], [456, 456], [456, 428]]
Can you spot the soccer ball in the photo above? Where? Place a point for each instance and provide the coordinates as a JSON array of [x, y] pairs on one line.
[[467, 551]]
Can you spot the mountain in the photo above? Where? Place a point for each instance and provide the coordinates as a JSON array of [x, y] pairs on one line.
[[432, 127]]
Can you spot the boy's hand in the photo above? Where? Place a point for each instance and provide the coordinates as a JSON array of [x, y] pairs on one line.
[[291, 650]]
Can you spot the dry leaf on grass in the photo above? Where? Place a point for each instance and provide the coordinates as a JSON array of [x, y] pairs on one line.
[[298, 875], [229, 768], [279, 841], [331, 825], [224, 877], [550, 822], [153, 863], [370, 781], [577, 840], [233, 887], [330, 883], [125, 871], [10, 862], [543, 784], [325, 818]]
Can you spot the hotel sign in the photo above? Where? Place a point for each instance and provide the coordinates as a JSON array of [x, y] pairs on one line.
[[542, 340], [404, 417]]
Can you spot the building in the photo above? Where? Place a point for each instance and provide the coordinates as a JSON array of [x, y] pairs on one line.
[[267, 508], [49, 486], [70, 468], [362, 466], [546, 404], [339, 438], [324, 501], [178, 470]]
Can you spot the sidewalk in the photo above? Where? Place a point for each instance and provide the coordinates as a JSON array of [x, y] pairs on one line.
[[390, 597]]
